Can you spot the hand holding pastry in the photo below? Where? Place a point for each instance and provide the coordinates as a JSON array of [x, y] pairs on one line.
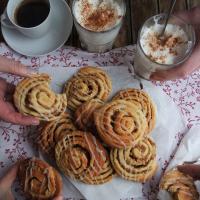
[[7, 111], [6, 183], [39, 180], [180, 185]]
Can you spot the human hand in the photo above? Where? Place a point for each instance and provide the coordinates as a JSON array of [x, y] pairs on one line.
[[190, 169], [14, 67], [6, 183], [7, 111], [192, 64]]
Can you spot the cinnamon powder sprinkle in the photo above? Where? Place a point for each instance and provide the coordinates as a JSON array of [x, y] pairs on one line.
[[158, 44], [99, 19]]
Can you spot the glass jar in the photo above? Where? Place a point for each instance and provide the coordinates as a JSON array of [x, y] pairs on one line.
[[144, 66], [99, 41]]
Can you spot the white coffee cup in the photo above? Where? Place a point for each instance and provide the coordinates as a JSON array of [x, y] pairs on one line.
[[8, 20]]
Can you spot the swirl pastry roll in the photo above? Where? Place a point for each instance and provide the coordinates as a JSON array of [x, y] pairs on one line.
[[53, 131], [84, 115], [80, 156], [34, 97], [89, 83], [106, 175], [39, 180], [120, 124], [143, 101], [136, 163], [179, 185]]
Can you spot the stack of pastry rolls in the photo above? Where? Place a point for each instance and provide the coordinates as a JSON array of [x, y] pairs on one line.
[[95, 139], [124, 125]]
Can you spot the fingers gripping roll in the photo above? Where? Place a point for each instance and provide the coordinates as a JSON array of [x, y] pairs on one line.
[[39, 180], [180, 186]]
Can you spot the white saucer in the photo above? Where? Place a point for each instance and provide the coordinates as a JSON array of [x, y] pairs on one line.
[[55, 38]]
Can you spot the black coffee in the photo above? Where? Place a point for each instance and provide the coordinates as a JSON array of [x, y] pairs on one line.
[[31, 13]]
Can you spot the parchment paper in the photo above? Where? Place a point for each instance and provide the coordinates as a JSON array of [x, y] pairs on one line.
[[169, 123]]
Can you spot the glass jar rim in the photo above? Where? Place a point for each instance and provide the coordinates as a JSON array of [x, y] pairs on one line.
[[185, 57]]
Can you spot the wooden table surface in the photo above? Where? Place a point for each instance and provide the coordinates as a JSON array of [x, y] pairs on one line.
[[137, 12]]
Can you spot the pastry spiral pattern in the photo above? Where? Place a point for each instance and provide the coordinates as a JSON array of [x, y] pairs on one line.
[[143, 101], [106, 175], [84, 115], [34, 97], [39, 180], [136, 163], [179, 185], [80, 156], [120, 124], [53, 131], [89, 83]]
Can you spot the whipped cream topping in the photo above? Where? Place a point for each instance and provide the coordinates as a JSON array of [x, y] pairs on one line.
[[168, 50], [98, 15]]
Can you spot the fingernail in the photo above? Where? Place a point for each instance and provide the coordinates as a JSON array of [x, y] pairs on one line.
[[32, 72], [35, 122]]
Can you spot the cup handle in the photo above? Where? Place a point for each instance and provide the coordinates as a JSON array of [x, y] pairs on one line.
[[5, 21]]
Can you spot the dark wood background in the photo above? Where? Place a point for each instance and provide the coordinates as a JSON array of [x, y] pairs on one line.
[[137, 12]]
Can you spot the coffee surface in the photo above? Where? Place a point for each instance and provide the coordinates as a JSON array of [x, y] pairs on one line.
[[31, 13]]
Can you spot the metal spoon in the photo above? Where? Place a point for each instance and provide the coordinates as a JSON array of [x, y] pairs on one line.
[[172, 4], [134, 75]]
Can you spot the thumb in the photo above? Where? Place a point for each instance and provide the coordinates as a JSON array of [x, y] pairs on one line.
[[7, 180], [14, 67], [191, 170], [8, 195]]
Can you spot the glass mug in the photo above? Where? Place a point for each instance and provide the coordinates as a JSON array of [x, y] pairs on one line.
[[99, 41], [143, 65]]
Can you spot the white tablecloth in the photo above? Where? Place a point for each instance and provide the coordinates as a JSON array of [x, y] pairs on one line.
[[15, 140]]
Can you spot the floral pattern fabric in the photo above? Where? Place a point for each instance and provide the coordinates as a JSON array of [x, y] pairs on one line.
[[15, 142]]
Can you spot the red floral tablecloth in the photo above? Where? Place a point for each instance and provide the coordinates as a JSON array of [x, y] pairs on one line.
[[15, 140]]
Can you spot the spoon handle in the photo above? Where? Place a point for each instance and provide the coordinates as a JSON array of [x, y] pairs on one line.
[[172, 4]]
